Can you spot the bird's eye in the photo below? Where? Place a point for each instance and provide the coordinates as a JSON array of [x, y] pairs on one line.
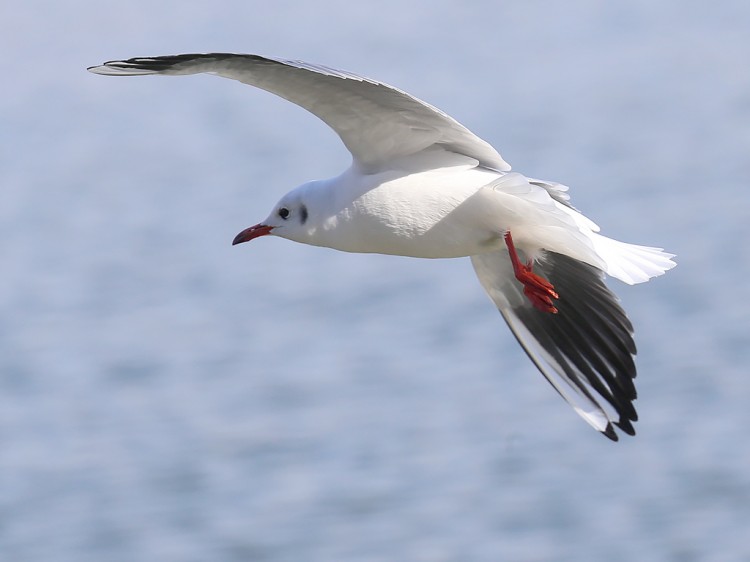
[[284, 213]]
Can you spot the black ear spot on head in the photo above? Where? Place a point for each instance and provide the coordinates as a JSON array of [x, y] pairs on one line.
[[303, 214]]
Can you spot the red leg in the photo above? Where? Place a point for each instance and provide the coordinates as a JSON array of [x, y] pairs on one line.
[[537, 289]]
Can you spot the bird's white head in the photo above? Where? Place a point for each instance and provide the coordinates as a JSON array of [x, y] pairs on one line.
[[290, 218]]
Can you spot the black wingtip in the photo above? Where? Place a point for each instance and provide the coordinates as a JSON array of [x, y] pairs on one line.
[[610, 433], [626, 426]]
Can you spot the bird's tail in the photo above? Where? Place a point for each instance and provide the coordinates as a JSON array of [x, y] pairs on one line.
[[631, 263]]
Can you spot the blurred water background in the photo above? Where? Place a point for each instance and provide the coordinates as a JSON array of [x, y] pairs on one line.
[[165, 396]]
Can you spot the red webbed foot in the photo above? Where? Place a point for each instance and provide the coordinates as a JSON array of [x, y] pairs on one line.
[[537, 289]]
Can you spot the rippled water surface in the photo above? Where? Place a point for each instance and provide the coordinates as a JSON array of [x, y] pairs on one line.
[[165, 396]]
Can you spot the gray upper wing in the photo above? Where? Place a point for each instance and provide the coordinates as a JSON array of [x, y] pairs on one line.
[[376, 122]]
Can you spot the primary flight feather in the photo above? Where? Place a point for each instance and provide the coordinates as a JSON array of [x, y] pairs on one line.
[[423, 185]]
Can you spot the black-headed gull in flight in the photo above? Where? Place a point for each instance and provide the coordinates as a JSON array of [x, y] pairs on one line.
[[423, 185]]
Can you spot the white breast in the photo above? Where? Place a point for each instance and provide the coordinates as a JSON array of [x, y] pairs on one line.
[[425, 214]]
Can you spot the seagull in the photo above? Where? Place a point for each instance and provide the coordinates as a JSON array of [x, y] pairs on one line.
[[420, 184]]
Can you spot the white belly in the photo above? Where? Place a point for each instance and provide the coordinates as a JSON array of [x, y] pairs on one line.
[[428, 214]]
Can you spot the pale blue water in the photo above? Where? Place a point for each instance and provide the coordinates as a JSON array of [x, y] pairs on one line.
[[164, 396]]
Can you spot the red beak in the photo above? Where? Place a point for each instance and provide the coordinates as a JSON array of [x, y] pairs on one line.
[[253, 232]]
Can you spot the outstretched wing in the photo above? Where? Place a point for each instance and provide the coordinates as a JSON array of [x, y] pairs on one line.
[[376, 122], [586, 350]]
